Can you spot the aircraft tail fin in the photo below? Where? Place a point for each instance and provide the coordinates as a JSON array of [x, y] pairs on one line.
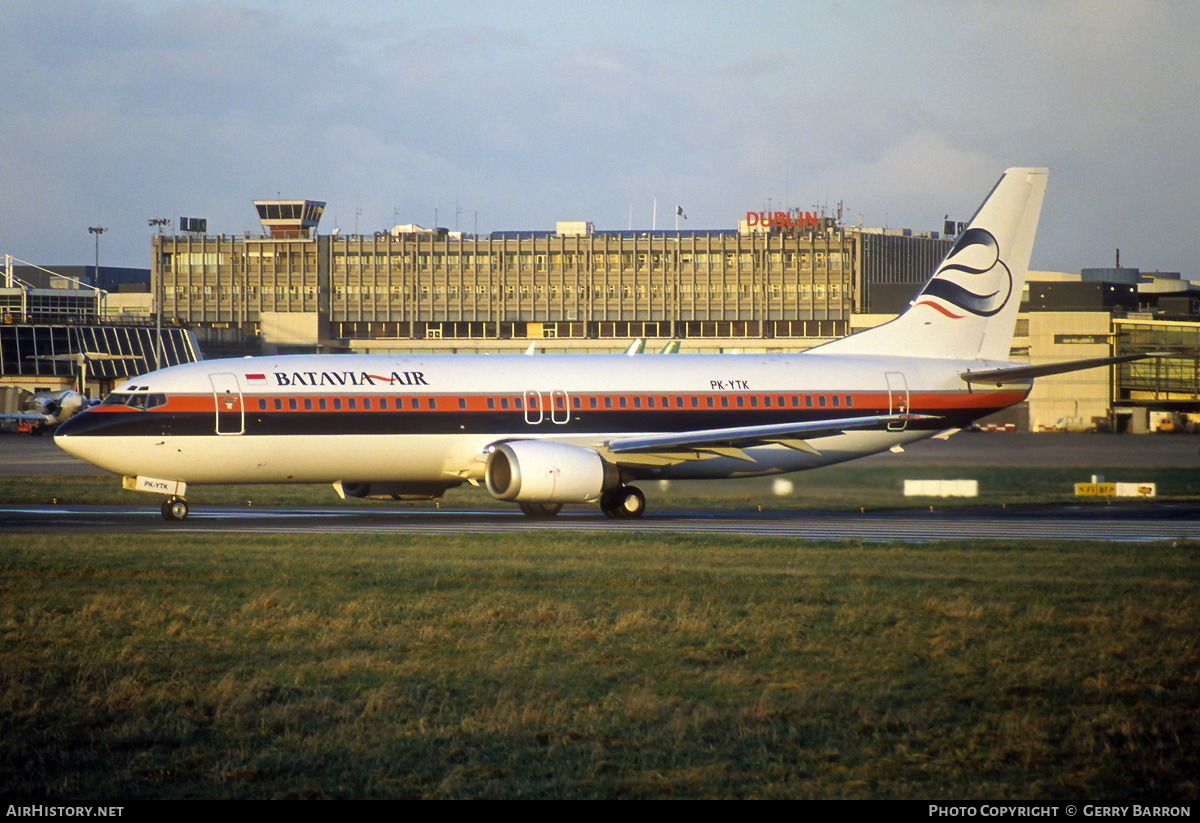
[[968, 309]]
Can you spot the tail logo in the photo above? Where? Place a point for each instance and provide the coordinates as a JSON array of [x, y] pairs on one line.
[[972, 278]]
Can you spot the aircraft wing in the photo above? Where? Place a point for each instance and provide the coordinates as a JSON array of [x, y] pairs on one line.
[[1010, 373], [41, 418], [702, 444]]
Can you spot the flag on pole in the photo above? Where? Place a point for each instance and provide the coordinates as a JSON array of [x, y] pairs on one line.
[[679, 212]]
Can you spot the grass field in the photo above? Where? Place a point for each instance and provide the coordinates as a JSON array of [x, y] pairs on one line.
[[589, 666]]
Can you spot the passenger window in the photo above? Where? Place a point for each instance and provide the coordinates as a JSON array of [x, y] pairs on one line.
[[337, 404], [849, 400], [308, 404], [278, 404], [432, 403], [293, 404], [262, 404], [323, 404]]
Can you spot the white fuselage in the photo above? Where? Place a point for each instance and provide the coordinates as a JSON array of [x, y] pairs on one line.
[[379, 418]]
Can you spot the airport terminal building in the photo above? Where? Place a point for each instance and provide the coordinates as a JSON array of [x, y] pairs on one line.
[[782, 280]]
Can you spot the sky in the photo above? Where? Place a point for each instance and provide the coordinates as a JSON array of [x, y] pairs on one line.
[[515, 115]]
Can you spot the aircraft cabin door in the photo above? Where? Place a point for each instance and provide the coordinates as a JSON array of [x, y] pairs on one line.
[[533, 407], [898, 399], [560, 408], [227, 396]]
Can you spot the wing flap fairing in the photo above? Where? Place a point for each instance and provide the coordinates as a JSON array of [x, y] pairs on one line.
[[791, 435]]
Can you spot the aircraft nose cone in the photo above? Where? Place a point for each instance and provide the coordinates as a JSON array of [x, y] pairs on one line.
[[68, 427]]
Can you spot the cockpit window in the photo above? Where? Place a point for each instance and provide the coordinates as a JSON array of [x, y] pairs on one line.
[[135, 401]]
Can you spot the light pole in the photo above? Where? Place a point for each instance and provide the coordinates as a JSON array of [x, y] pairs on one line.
[[98, 230], [156, 267]]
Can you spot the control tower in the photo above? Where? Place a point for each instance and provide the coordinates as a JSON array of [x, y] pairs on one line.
[[289, 218]]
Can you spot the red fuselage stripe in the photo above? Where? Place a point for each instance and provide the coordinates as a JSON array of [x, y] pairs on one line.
[[929, 402]]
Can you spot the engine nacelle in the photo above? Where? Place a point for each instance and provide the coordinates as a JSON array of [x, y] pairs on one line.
[[545, 472]]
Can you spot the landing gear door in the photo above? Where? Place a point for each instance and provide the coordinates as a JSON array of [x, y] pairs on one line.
[[227, 397], [898, 400]]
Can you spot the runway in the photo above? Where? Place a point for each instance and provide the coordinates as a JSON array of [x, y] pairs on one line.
[[1135, 521], [1125, 523]]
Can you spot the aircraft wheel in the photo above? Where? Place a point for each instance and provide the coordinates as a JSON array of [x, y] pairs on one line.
[[623, 502], [174, 508], [541, 509]]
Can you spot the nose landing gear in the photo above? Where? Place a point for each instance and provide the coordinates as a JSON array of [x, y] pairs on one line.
[[174, 508]]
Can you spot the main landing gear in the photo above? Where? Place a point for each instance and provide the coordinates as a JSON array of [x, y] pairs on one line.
[[623, 502], [541, 510], [174, 508]]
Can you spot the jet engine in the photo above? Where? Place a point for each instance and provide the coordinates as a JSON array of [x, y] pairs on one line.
[[547, 472]]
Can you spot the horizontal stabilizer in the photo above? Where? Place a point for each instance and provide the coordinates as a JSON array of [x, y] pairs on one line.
[[1009, 374]]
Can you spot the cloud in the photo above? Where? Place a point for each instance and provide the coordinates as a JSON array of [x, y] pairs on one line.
[[916, 180], [118, 112]]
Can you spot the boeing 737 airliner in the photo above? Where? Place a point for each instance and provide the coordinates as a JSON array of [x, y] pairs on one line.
[[551, 429]]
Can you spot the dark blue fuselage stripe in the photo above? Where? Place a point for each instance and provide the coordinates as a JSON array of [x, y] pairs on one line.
[[154, 423]]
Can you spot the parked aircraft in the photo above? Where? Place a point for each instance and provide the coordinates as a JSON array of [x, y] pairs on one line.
[[545, 430], [42, 411]]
